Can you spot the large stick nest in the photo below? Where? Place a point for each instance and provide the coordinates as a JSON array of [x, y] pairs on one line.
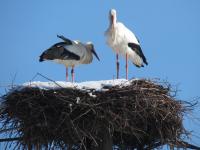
[[143, 114]]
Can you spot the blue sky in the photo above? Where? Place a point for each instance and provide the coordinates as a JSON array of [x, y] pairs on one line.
[[169, 32]]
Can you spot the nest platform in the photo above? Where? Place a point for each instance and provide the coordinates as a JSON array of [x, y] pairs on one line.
[[139, 114]]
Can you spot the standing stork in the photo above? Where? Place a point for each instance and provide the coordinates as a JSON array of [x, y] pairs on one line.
[[70, 53], [124, 42]]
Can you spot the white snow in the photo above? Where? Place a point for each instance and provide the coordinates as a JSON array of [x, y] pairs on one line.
[[88, 85]]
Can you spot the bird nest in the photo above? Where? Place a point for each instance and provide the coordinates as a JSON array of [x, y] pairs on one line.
[[142, 114]]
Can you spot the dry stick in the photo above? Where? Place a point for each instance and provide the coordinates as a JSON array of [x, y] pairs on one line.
[[77, 132], [47, 79], [190, 146], [183, 144], [11, 139], [13, 80], [153, 146], [90, 136], [6, 130], [17, 146], [81, 115], [93, 139]]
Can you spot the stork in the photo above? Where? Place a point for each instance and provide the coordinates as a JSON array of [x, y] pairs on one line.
[[70, 53], [124, 42]]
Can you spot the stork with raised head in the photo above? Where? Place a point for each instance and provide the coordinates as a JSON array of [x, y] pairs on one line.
[[124, 42], [70, 53]]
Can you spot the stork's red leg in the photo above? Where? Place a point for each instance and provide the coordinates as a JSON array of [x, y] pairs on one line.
[[72, 73], [67, 76], [117, 63], [126, 66]]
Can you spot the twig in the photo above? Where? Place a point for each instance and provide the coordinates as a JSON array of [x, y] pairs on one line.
[[47, 79], [10, 139]]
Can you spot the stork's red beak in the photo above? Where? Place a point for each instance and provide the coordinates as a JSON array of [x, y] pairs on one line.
[[112, 19]]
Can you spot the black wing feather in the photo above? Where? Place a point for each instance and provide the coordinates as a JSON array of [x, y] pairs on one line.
[[66, 40], [138, 50], [58, 51], [67, 55]]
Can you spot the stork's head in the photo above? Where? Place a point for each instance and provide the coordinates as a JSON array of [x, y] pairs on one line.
[[112, 16], [90, 47]]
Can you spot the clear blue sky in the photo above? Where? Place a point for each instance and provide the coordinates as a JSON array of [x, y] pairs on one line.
[[169, 32]]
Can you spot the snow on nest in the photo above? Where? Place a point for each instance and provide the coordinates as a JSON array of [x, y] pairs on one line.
[[88, 85]]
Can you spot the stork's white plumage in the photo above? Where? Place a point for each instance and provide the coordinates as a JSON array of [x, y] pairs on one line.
[[70, 53], [124, 42]]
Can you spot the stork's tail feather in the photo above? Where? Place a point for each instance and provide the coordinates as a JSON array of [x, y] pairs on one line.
[[139, 66], [137, 49]]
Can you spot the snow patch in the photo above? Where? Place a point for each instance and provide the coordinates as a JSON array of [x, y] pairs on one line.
[[89, 87], [86, 86]]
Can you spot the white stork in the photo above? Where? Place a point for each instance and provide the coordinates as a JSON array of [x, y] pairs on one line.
[[124, 42], [70, 53]]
